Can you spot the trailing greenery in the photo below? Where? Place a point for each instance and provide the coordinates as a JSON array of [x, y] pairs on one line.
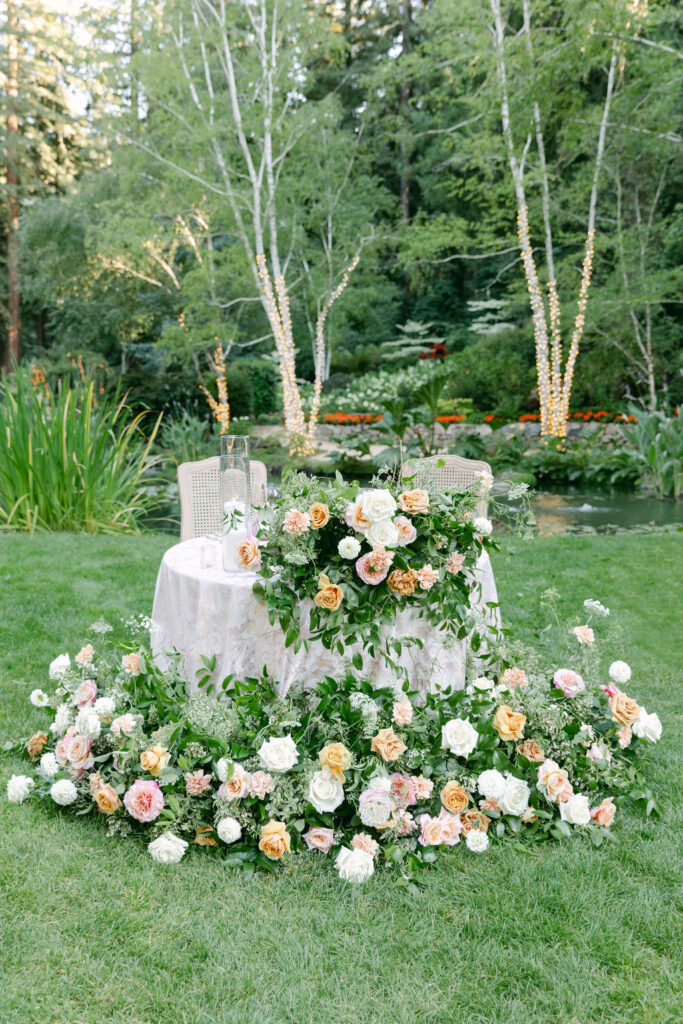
[[70, 459]]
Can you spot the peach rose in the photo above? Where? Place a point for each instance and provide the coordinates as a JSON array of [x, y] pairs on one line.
[[337, 758], [106, 798], [473, 819], [402, 581], [320, 515], [275, 839], [625, 736], [512, 677], [431, 833], [379, 559], [80, 757], [427, 577], [203, 836], [414, 502], [454, 797], [553, 779], [155, 759], [35, 744], [85, 693], [531, 750], [624, 710], [131, 664], [123, 724], [237, 785], [451, 827], [84, 656], [144, 800], [403, 712], [388, 745], [509, 724], [362, 841], [317, 838], [405, 529], [604, 813], [329, 595], [62, 746], [247, 554]]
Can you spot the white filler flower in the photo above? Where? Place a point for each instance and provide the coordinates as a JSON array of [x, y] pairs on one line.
[[325, 791], [167, 849], [482, 526], [354, 865], [349, 547], [39, 698], [229, 830], [477, 841], [459, 736], [63, 792], [104, 707], [279, 754], [60, 666], [596, 608], [619, 672], [18, 788]]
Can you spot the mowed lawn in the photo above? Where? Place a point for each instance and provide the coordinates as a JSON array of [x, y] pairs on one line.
[[92, 931]]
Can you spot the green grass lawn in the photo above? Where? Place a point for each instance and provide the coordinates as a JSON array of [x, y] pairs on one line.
[[92, 931]]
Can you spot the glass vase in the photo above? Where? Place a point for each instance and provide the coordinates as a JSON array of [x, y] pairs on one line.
[[235, 497]]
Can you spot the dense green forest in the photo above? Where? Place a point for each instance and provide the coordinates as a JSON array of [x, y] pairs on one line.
[[152, 149]]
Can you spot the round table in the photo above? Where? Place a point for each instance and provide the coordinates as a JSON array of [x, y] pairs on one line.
[[206, 611]]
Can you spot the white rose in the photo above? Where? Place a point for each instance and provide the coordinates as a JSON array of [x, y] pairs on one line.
[[18, 788], [576, 810], [354, 865], [279, 754], [167, 849], [222, 768], [515, 796], [62, 720], [459, 736], [482, 683], [382, 534], [482, 526], [49, 765], [325, 791], [349, 547], [619, 672], [477, 841], [88, 723], [39, 698], [229, 830], [104, 707], [60, 666], [491, 784], [63, 792], [377, 505], [648, 727]]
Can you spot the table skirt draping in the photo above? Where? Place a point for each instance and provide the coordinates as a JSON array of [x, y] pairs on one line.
[[206, 611]]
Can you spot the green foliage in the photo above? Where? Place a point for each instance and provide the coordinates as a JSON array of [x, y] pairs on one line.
[[187, 437], [497, 373], [253, 387], [585, 461], [70, 461], [654, 444]]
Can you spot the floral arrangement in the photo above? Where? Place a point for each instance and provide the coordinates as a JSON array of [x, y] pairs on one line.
[[361, 555], [361, 775]]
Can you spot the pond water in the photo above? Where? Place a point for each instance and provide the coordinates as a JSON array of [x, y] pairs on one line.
[[575, 510]]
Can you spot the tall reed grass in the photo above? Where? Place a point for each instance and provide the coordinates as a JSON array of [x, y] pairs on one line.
[[70, 460]]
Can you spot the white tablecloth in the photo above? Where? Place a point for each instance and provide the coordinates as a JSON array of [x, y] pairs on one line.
[[209, 612]]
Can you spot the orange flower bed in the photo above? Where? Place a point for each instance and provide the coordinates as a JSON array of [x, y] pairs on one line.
[[350, 418]]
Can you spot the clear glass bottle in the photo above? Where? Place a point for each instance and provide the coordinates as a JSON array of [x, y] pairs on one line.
[[235, 496]]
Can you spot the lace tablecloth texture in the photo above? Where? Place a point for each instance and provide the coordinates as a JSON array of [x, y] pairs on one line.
[[205, 611]]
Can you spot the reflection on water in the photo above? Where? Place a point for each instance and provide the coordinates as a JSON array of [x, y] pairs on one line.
[[576, 509]]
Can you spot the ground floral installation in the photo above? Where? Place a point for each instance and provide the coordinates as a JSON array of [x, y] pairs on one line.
[[360, 775]]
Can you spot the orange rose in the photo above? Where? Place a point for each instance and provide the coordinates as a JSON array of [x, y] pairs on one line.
[[329, 596], [155, 759], [531, 750], [247, 554], [337, 758], [106, 799], [624, 710], [509, 724], [474, 819], [454, 797], [320, 515], [35, 744], [275, 839], [388, 745], [414, 502], [402, 581]]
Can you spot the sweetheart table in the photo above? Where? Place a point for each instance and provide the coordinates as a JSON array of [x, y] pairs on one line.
[[202, 610]]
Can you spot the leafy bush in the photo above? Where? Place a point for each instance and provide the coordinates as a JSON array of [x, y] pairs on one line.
[[188, 438], [585, 461], [497, 373], [253, 387], [69, 462], [654, 444]]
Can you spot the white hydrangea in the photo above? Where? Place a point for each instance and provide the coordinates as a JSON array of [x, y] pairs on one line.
[[104, 707], [354, 865], [482, 526], [477, 841], [349, 547], [167, 849], [39, 698], [648, 727], [229, 830], [18, 788], [619, 672], [491, 784], [63, 792], [49, 765], [88, 723], [596, 608], [60, 666]]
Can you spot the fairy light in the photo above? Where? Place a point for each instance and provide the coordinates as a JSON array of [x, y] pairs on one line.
[[557, 420], [220, 408], [579, 322], [538, 318]]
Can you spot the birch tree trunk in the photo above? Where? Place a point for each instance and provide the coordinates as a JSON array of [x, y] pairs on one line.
[[13, 342]]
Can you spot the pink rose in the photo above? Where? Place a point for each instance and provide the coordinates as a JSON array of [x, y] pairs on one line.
[[584, 634], [569, 682], [144, 800], [362, 841], [423, 787], [450, 827], [427, 577], [366, 572], [197, 783], [131, 664], [63, 746], [406, 531], [612, 690], [321, 839], [402, 790], [260, 784], [80, 757], [85, 694], [454, 562], [604, 813], [431, 831], [123, 724], [84, 656], [403, 712], [296, 522]]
